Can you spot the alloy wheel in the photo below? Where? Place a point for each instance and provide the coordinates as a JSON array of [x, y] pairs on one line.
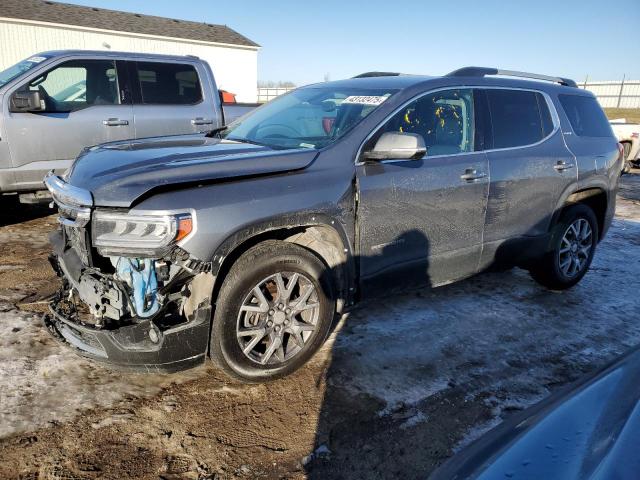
[[277, 318], [575, 248]]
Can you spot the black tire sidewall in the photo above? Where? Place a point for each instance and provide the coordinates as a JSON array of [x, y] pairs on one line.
[[254, 266]]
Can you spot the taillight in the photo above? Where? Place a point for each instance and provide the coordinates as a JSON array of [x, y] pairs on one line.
[[635, 135], [327, 124]]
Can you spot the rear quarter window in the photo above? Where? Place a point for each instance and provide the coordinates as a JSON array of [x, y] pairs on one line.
[[585, 115]]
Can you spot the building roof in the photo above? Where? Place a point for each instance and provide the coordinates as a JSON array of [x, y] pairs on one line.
[[64, 13]]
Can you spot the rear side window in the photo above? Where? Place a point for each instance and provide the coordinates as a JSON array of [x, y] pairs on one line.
[[518, 117], [585, 115], [168, 83]]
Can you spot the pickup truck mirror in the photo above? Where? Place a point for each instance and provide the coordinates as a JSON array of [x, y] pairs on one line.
[[397, 145], [26, 101]]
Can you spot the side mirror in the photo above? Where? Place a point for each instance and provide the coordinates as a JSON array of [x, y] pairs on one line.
[[26, 101], [397, 146]]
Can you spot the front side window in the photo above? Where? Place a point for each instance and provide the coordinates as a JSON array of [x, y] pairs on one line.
[[312, 117], [77, 84], [516, 117], [168, 83], [444, 119], [585, 115]]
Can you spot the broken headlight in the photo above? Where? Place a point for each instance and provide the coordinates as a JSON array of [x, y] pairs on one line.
[[148, 235]]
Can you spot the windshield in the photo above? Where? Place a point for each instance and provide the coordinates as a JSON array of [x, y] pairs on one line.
[[307, 118], [19, 68]]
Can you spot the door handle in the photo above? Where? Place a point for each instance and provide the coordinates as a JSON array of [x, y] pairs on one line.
[[471, 174], [561, 166], [201, 121], [114, 122]]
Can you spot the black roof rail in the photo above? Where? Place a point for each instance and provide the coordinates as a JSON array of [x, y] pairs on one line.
[[484, 71], [378, 74]]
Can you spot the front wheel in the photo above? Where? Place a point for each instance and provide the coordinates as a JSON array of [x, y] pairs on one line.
[[273, 312], [573, 243]]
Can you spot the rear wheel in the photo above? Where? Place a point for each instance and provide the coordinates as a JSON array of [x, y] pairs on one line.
[[273, 313], [573, 243]]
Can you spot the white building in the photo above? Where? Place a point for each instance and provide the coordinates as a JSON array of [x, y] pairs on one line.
[[31, 26]]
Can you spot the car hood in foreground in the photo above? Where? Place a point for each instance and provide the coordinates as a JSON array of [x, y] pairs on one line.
[[118, 173], [589, 431]]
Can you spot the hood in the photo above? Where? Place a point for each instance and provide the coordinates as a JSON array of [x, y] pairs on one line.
[[590, 431], [119, 173]]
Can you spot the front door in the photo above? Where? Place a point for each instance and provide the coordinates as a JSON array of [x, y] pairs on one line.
[[83, 107], [421, 221]]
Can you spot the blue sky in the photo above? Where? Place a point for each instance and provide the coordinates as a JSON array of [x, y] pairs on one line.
[[304, 40]]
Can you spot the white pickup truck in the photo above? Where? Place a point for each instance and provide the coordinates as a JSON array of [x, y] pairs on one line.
[[55, 104], [628, 135]]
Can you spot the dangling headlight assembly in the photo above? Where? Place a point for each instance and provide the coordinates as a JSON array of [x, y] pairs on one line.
[[140, 235]]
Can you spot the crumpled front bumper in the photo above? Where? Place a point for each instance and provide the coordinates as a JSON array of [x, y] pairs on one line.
[[130, 347], [136, 346]]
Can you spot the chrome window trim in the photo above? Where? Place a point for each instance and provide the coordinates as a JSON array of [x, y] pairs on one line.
[[555, 118]]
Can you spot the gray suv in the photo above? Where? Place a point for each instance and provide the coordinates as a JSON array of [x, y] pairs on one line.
[[243, 244]]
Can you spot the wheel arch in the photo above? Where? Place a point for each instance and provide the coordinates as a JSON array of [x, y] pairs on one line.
[[595, 197], [321, 234]]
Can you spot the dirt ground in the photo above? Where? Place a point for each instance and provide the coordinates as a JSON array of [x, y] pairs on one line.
[[402, 383]]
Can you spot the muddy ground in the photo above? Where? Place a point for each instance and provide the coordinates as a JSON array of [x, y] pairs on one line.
[[402, 383]]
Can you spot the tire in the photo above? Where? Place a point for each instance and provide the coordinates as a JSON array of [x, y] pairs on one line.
[[552, 270], [241, 314]]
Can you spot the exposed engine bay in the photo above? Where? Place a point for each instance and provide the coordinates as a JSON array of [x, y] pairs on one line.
[[140, 299]]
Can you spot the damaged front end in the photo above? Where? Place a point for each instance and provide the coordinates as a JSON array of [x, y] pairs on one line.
[[131, 296]]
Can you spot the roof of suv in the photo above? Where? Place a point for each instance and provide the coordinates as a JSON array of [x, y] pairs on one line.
[[375, 80]]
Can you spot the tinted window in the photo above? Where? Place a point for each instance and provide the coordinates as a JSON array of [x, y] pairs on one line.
[[586, 116], [444, 119], [78, 84], [545, 115], [168, 83], [515, 117]]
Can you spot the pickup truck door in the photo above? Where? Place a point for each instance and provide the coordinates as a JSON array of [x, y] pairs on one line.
[[171, 98], [420, 222], [86, 104]]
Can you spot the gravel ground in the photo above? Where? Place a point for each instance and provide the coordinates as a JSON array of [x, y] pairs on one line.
[[402, 383]]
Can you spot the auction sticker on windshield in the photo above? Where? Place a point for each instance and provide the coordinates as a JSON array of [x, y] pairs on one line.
[[36, 59], [365, 99]]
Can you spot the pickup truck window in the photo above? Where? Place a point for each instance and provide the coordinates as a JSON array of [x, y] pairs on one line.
[[445, 120], [168, 83], [308, 117], [20, 68], [77, 84]]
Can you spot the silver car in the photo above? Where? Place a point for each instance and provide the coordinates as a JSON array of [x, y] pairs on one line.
[[55, 104]]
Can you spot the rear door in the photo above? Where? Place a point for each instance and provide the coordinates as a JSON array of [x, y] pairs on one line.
[[169, 99], [530, 168], [420, 221], [85, 104]]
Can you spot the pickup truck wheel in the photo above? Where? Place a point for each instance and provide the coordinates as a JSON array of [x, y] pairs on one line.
[[273, 312], [573, 241]]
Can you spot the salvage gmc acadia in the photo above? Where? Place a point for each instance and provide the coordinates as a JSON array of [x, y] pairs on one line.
[[243, 244]]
